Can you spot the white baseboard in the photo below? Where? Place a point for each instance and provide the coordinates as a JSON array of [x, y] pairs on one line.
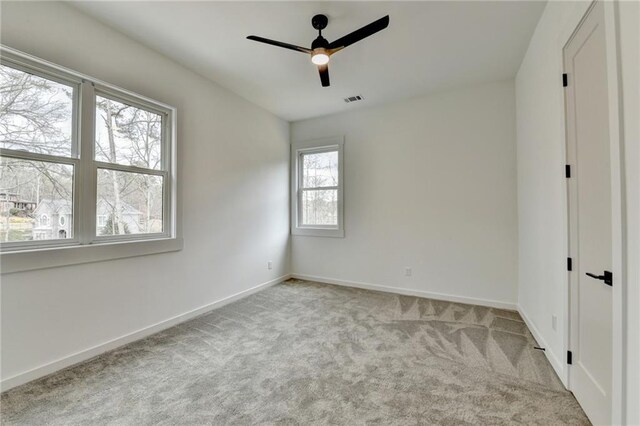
[[558, 366], [86, 354], [410, 292]]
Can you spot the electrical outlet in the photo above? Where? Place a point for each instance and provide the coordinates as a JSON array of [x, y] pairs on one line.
[[407, 272], [269, 265], [554, 322]]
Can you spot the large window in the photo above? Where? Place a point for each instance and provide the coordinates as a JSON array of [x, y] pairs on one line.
[[81, 162], [317, 182]]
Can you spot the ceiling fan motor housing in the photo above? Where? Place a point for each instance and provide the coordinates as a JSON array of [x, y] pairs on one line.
[[319, 42]]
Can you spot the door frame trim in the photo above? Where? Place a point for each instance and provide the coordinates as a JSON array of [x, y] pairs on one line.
[[618, 217]]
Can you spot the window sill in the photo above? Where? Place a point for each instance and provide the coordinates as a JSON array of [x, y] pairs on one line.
[[29, 260], [318, 232]]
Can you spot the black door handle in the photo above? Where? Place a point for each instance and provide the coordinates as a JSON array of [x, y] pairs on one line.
[[607, 277]]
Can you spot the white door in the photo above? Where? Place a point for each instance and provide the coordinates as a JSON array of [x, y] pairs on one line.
[[590, 226]]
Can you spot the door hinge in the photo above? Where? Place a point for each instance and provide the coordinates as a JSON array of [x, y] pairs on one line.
[[565, 80], [567, 171], [569, 358], [569, 264]]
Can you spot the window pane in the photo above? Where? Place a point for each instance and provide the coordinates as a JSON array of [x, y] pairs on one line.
[[320, 169], [128, 203], [36, 200], [127, 135], [320, 207], [36, 114]]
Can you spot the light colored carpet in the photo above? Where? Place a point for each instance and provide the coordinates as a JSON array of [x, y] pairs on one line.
[[303, 353]]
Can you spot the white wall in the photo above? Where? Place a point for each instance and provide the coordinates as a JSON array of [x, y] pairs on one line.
[[429, 184], [233, 195], [542, 217], [629, 37]]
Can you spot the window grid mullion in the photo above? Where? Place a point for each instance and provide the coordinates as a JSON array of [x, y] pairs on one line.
[[300, 186], [86, 205], [75, 121], [320, 188], [34, 156], [130, 169]]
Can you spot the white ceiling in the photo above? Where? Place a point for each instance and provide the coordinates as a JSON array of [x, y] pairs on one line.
[[428, 46]]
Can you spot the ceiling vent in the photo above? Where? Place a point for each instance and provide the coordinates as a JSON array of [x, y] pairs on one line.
[[352, 99]]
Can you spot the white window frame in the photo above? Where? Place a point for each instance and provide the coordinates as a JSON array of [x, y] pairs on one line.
[[298, 149], [137, 102], [85, 173]]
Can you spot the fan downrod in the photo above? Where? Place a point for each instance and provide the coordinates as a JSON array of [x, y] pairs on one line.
[[319, 22]]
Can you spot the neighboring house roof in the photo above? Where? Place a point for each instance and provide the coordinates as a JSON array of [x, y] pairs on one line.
[[53, 206], [12, 196]]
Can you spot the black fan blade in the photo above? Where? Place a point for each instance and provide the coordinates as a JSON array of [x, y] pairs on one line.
[[324, 75], [358, 35], [279, 44]]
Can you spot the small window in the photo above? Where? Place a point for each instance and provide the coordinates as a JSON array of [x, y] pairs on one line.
[[319, 188], [44, 220], [62, 221], [317, 181]]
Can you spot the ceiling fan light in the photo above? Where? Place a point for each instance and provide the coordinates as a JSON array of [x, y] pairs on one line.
[[320, 58]]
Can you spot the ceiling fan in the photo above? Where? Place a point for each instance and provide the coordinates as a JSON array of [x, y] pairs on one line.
[[321, 49]]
